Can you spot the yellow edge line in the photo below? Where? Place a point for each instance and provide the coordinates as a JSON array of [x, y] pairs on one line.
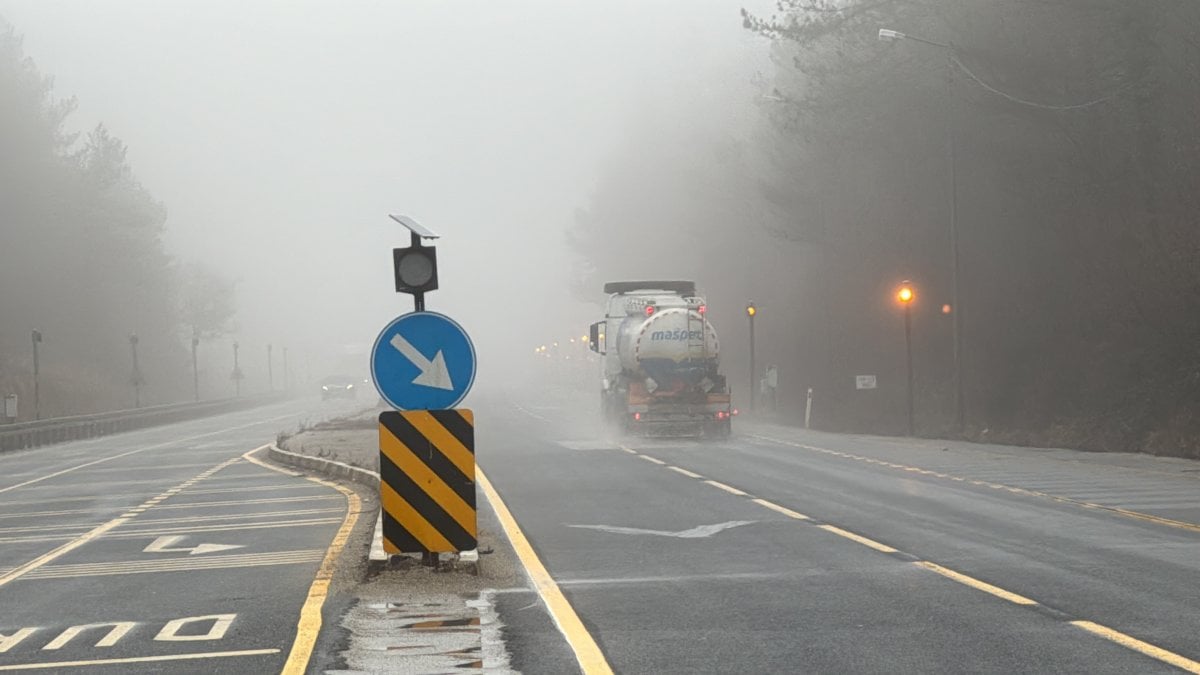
[[140, 659], [309, 625], [785, 511], [870, 543], [728, 488], [1137, 645], [587, 652], [975, 583]]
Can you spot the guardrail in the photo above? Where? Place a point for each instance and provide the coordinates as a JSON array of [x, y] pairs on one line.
[[62, 429]]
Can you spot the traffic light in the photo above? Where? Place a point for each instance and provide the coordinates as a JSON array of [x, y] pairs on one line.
[[416, 269]]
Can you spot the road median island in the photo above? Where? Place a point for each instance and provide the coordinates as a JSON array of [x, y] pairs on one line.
[[396, 615]]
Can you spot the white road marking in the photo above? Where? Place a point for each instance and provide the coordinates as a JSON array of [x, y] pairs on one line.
[[694, 533], [164, 545], [156, 446], [139, 659]]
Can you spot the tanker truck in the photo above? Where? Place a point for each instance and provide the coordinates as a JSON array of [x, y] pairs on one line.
[[661, 358]]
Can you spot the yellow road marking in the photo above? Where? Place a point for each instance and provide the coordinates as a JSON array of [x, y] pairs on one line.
[[134, 452], [975, 583], [1169, 522], [728, 488], [90, 535], [139, 659], [785, 511], [1105, 632], [309, 625], [587, 652], [648, 458], [870, 543], [1129, 642], [689, 474]]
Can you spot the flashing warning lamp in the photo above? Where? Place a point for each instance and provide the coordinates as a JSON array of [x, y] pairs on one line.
[[751, 310]]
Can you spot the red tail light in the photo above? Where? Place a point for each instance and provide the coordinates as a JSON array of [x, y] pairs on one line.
[[735, 411], [637, 416], [702, 310], [722, 415], [649, 310]]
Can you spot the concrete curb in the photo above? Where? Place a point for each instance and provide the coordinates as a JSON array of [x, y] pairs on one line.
[[334, 469]]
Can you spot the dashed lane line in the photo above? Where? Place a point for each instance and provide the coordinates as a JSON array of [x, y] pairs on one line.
[[728, 488], [648, 458], [1137, 515], [685, 472], [138, 659], [147, 448], [1110, 634], [309, 626]]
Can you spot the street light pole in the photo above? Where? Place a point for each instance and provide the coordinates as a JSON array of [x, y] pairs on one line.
[[37, 394], [195, 366], [955, 272], [906, 295], [237, 372], [270, 371], [751, 311], [287, 380], [137, 373]]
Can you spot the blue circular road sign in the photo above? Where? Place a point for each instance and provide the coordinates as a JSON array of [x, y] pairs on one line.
[[423, 361]]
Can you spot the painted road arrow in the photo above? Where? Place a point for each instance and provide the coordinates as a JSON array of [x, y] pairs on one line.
[[434, 373], [163, 545]]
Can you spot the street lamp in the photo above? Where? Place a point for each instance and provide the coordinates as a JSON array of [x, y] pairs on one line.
[[751, 311], [954, 308], [905, 295]]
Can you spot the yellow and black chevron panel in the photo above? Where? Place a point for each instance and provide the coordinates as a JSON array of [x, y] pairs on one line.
[[427, 480]]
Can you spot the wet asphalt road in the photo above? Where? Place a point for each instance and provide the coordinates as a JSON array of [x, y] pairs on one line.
[[161, 550], [782, 550]]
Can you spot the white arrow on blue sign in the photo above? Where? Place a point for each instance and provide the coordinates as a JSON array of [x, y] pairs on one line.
[[423, 361]]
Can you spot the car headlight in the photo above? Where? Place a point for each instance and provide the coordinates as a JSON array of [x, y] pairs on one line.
[[349, 386], [323, 388]]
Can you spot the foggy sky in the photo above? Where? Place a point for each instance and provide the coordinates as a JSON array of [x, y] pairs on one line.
[[280, 134]]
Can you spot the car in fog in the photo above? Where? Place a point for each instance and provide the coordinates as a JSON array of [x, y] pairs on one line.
[[340, 386]]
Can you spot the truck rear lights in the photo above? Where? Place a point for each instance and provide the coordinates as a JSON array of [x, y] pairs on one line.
[[637, 416], [722, 415], [735, 411]]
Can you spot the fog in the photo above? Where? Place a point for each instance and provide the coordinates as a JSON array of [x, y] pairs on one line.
[[780, 153], [278, 136]]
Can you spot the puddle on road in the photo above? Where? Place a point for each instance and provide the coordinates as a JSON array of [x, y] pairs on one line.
[[446, 635]]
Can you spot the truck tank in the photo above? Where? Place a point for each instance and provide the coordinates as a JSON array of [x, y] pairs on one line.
[[673, 346]]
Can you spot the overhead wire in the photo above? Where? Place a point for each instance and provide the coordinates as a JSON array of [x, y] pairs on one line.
[[1033, 104]]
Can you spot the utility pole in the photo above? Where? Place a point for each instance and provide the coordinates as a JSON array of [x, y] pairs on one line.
[[270, 371], [287, 381], [195, 366], [37, 394], [137, 372], [237, 372]]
